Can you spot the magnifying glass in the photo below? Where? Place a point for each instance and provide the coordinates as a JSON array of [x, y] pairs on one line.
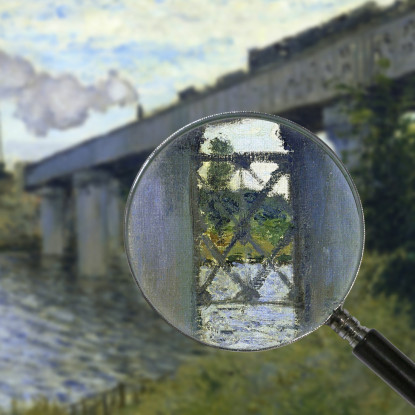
[[245, 232]]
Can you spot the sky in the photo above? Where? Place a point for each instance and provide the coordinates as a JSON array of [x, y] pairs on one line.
[[121, 53], [249, 135]]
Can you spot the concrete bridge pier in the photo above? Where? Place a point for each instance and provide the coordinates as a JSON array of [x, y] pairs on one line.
[[340, 132], [52, 220], [114, 214], [98, 216]]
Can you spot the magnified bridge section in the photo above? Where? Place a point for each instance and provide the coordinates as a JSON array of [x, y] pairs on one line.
[[244, 231]]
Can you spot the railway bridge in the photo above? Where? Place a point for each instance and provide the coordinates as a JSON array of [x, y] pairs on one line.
[[83, 189]]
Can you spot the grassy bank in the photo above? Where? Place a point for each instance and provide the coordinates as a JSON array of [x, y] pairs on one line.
[[18, 216], [317, 375]]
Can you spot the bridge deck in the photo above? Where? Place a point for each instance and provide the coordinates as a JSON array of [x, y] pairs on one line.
[[304, 80]]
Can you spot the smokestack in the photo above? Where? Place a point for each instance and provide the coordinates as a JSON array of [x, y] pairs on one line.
[[1, 148], [140, 112]]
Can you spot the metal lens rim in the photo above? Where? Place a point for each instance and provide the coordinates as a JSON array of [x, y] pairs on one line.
[[229, 116]]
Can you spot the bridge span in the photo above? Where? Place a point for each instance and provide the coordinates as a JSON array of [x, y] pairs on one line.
[[83, 188]]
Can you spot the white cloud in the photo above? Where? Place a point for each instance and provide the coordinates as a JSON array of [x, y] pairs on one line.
[[222, 31], [16, 74], [251, 23], [45, 102], [159, 47], [19, 145]]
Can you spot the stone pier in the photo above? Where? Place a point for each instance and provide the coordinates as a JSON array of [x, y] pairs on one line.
[[98, 217], [340, 132], [52, 220], [295, 77], [115, 215]]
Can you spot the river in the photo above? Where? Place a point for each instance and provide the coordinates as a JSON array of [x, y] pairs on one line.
[[64, 338]]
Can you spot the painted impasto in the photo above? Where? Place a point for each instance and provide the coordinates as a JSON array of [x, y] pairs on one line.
[[238, 229], [225, 237], [243, 234]]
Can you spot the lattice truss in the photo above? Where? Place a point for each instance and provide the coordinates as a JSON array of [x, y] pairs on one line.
[[239, 211]]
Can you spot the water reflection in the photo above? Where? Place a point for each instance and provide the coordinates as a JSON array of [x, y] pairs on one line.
[[243, 234], [67, 339]]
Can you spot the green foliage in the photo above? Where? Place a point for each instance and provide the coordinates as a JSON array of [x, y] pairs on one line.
[[40, 407], [223, 208], [267, 226], [18, 217], [314, 376], [218, 214], [317, 375], [219, 173], [398, 277], [271, 224], [385, 174], [43, 407]]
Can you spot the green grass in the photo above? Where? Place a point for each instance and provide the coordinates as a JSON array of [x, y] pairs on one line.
[[40, 407], [317, 375]]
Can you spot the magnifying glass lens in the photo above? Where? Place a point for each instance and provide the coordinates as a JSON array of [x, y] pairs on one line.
[[244, 231]]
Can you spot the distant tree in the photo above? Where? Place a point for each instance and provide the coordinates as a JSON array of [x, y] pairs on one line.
[[222, 206], [217, 201], [219, 173], [385, 173]]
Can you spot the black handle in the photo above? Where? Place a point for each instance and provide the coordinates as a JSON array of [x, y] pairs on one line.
[[377, 353], [388, 362]]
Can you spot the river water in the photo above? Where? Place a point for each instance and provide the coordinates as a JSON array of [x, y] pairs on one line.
[[268, 321], [66, 339]]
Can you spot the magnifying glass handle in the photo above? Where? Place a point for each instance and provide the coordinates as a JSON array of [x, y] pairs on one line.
[[377, 353]]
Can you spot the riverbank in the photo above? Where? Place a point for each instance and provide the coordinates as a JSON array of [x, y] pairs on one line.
[[317, 375]]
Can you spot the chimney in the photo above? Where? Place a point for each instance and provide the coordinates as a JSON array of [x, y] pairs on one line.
[[140, 112], [2, 165]]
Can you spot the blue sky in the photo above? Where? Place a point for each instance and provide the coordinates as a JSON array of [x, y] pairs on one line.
[[159, 46]]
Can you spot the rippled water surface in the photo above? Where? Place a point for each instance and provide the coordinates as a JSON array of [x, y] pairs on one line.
[[65, 339], [248, 325]]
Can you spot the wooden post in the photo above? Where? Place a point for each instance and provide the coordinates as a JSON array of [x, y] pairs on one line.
[[104, 404], [93, 408], [121, 394], [136, 396], [112, 398], [14, 409]]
